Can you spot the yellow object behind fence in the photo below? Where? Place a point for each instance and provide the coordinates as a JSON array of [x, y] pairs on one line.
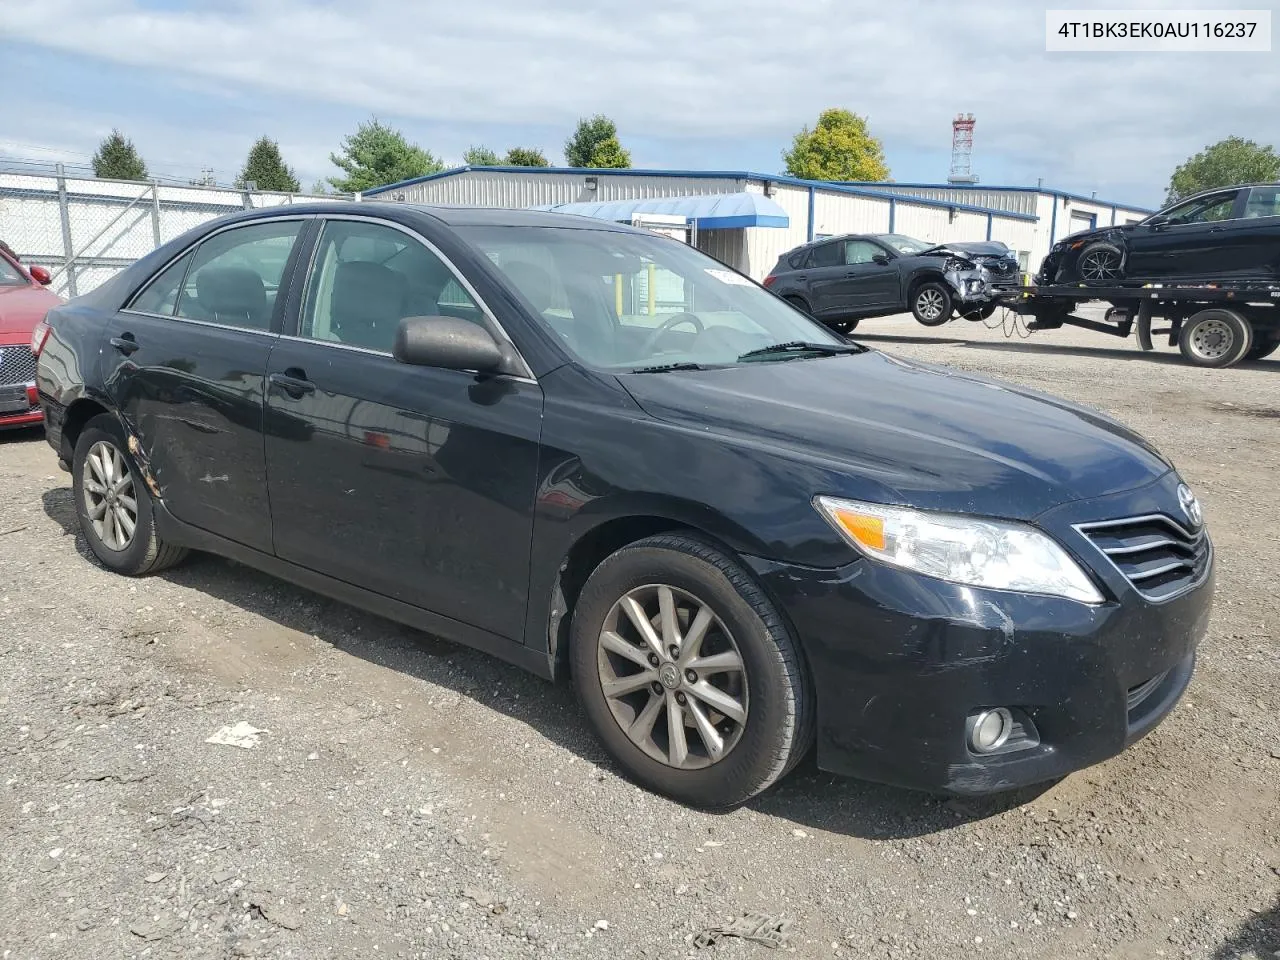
[[617, 292]]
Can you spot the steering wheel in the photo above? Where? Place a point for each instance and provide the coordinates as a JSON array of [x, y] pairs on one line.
[[673, 321]]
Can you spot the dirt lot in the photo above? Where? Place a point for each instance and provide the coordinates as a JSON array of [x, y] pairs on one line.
[[408, 798]]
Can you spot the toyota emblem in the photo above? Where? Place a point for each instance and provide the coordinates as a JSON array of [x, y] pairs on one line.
[[1190, 505]]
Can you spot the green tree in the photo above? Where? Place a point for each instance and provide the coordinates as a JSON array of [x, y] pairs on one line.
[[266, 169], [526, 157], [117, 159], [839, 148], [609, 154], [481, 157], [376, 155], [590, 144], [1224, 164]]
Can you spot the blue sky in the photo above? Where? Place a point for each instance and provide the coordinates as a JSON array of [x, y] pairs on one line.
[[720, 84]]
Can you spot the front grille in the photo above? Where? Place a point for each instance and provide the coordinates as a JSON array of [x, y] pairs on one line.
[[1137, 696], [1158, 555], [17, 365]]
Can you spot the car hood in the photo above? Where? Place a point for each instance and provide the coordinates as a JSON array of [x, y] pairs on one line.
[[891, 430], [973, 248], [21, 308]]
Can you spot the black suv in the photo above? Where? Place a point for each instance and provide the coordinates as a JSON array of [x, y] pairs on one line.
[[598, 452], [840, 280], [1230, 234]]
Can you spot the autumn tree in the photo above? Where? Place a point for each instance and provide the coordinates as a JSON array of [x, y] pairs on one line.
[[840, 147]]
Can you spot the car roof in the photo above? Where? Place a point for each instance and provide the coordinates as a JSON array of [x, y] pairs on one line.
[[1222, 189], [453, 216], [836, 237]]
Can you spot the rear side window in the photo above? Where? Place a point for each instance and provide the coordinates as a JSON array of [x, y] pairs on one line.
[[1263, 202], [828, 255], [235, 276]]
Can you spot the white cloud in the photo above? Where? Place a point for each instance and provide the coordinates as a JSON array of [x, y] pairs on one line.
[[732, 69]]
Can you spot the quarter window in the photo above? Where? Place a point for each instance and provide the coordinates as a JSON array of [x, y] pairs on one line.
[[161, 294], [367, 277], [235, 276]]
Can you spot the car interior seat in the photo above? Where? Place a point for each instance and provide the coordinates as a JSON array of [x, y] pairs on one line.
[[233, 295], [367, 305]]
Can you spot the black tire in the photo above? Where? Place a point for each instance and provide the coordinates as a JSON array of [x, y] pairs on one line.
[[1100, 263], [779, 722], [931, 303], [843, 327], [144, 552], [1215, 338], [1263, 349], [800, 304]]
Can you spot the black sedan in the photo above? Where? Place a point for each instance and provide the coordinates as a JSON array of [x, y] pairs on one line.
[[596, 452], [1219, 235], [841, 280]]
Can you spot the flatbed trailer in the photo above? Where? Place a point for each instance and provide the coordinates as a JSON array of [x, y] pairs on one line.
[[1213, 325]]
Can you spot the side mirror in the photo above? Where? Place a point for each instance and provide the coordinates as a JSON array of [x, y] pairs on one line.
[[449, 343], [40, 275], [881, 258]]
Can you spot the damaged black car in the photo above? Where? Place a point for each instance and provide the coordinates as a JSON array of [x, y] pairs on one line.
[[1231, 234], [840, 280]]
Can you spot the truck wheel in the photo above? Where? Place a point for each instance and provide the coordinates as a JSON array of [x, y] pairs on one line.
[[1100, 263], [931, 303], [1215, 338]]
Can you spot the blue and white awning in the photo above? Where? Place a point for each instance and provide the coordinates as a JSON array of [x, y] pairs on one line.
[[717, 211]]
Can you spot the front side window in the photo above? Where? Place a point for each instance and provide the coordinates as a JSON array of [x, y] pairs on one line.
[[367, 277], [1263, 202], [1205, 210], [861, 251], [235, 276], [621, 301], [10, 276]]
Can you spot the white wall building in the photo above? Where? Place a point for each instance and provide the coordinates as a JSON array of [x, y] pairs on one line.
[[782, 213]]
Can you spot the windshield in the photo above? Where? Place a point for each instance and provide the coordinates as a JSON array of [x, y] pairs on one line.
[[627, 301], [10, 276], [907, 246]]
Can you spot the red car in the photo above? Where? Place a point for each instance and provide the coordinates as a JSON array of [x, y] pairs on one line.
[[23, 303]]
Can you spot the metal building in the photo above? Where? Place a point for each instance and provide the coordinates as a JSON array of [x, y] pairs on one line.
[[748, 220]]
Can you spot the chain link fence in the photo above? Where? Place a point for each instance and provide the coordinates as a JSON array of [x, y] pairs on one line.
[[85, 230]]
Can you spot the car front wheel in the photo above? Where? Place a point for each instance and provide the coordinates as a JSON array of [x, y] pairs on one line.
[[688, 673], [931, 303], [113, 503], [1100, 263]]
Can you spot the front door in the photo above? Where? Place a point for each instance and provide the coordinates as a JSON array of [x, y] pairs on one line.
[[185, 365], [413, 482], [1188, 243], [868, 286]]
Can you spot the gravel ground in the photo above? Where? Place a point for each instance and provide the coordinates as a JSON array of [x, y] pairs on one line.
[[409, 798]]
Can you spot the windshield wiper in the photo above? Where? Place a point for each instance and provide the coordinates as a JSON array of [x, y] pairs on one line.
[[803, 346], [664, 367]]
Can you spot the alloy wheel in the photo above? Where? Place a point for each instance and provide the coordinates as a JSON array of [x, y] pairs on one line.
[[1101, 264], [929, 304], [673, 676], [109, 499], [1211, 339]]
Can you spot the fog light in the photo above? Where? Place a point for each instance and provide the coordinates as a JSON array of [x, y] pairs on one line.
[[989, 730]]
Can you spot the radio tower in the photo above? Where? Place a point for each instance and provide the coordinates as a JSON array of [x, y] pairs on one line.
[[962, 149]]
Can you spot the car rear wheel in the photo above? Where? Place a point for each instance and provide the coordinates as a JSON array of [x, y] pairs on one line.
[[1100, 263], [1215, 338], [688, 673], [931, 303], [843, 326], [114, 504]]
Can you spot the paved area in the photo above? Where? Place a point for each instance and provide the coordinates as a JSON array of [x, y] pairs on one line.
[[403, 797]]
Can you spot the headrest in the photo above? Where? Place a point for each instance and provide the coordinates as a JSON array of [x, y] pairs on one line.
[[367, 292], [532, 281], [232, 291]]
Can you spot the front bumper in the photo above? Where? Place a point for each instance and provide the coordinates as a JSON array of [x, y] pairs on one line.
[[900, 661]]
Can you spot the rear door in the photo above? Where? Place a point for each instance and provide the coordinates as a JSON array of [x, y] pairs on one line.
[[828, 293], [869, 286], [185, 364], [413, 482], [1193, 241]]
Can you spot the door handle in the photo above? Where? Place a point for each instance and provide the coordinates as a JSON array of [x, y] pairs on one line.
[[293, 383], [125, 343]]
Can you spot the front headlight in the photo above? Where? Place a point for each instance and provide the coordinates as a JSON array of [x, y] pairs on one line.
[[997, 554]]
